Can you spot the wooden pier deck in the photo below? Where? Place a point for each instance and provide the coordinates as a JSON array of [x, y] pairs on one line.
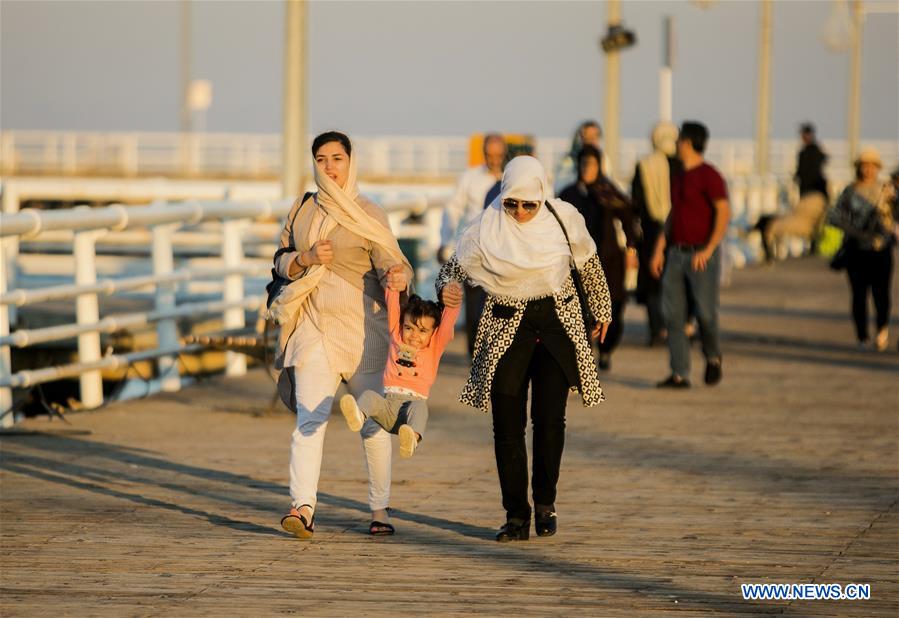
[[786, 472]]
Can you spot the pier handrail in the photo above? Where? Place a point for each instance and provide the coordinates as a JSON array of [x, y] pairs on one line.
[[161, 220], [255, 155]]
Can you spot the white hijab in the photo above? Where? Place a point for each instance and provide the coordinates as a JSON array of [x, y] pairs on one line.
[[523, 260]]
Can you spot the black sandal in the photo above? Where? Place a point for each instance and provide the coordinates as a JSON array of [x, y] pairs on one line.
[[297, 525], [379, 528]]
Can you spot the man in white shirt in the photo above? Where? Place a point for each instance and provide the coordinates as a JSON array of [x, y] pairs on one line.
[[475, 186]]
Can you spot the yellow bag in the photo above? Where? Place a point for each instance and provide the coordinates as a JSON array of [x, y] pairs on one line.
[[829, 241]]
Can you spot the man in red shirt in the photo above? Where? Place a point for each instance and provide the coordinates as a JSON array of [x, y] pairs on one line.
[[687, 257]]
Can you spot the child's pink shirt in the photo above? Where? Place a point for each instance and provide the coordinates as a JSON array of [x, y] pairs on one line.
[[420, 377]]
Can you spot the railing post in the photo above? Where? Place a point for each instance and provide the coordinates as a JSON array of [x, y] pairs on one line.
[[129, 152], [379, 153], [196, 141], [8, 153], [232, 256], [51, 153], [7, 419], [87, 311], [9, 205], [70, 153], [166, 330]]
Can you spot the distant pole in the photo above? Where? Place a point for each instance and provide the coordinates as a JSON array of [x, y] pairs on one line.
[[666, 94], [186, 69], [613, 85], [294, 132], [855, 80], [764, 91]]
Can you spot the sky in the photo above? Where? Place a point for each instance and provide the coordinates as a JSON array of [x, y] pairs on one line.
[[434, 68]]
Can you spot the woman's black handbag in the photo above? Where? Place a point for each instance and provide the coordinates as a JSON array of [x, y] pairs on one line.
[[274, 286], [590, 320], [840, 259]]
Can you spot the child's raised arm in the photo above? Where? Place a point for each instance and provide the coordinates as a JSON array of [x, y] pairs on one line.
[[448, 318], [395, 276], [393, 310]]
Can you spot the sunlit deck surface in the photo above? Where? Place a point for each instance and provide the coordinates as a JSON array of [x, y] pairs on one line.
[[786, 472]]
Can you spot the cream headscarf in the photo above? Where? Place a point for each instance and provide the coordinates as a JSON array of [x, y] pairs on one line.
[[655, 171], [523, 260], [341, 207]]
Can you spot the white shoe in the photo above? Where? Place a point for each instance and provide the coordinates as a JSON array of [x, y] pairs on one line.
[[408, 441], [351, 412]]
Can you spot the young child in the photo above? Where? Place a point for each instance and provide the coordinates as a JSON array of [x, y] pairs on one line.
[[419, 333]]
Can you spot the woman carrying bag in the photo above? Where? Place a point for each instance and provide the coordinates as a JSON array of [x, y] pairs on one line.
[[336, 250], [864, 214], [532, 332]]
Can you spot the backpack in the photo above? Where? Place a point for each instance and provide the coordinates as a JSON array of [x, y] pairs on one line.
[[274, 286]]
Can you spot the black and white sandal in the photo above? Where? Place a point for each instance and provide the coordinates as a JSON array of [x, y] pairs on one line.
[[297, 525]]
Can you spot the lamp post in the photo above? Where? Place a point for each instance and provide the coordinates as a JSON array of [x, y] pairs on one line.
[[666, 95], [763, 97], [844, 30], [186, 61], [855, 79], [613, 85], [294, 130], [763, 106], [186, 71]]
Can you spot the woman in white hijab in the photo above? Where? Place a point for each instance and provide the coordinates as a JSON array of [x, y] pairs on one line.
[[337, 250], [531, 333]]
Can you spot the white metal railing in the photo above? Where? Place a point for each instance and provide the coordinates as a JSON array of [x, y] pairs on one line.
[[233, 233], [156, 227], [259, 155]]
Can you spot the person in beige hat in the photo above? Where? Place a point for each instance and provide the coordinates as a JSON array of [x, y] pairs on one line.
[[863, 213]]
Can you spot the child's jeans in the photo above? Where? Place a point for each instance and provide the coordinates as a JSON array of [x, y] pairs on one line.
[[394, 410]]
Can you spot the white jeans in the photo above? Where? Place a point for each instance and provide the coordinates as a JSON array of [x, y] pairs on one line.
[[316, 385]]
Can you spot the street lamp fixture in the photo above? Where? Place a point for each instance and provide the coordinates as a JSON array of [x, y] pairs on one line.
[[617, 38]]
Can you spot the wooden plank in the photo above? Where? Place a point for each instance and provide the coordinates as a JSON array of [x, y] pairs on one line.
[[787, 472]]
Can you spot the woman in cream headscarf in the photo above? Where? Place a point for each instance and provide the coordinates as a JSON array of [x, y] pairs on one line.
[[336, 249], [531, 332], [651, 196]]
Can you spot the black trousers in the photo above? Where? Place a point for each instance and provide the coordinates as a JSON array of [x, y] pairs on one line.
[[870, 270], [474, 306], [543, 358]]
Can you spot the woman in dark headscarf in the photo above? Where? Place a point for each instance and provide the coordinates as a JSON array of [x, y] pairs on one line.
[[605, 210]]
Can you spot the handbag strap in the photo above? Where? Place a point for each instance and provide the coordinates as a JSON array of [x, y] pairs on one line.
[[565, 232], [589, 319], [296, 212]]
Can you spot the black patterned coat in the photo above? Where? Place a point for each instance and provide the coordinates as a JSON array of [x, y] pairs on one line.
[[502, 316]]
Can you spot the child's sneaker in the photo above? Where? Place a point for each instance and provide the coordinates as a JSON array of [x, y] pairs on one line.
[[351, 412], [408, 441]]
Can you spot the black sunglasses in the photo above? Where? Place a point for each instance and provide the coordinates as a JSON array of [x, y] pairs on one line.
[[512, 205]]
